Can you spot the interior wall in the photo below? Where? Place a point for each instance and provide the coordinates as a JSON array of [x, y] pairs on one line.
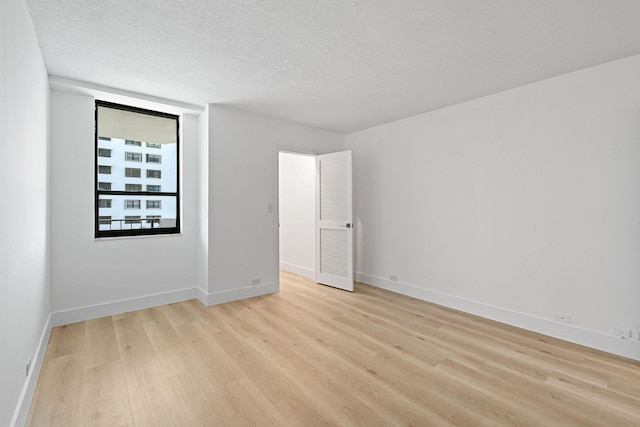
[[517, 206], [24, 227], [243, 149], [86, 271], [297, 209], [203, 207]]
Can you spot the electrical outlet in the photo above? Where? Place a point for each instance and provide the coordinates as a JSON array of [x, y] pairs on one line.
[[621, 332], [393, 278], [565, 318], [28, 367], [255, 282]]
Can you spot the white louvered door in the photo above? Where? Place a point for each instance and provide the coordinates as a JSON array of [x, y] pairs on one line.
[[334, 223]]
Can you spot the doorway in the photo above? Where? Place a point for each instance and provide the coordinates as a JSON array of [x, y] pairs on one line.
[[297, 213]]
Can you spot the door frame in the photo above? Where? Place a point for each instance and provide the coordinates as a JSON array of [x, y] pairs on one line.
[[277, 203]]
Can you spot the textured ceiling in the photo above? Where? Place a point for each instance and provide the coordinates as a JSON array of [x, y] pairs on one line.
[[342, 65]]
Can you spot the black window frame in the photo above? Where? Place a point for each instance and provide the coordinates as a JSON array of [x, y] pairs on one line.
[[102, 193]]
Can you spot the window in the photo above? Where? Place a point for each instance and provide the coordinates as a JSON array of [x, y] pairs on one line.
[[133, 157], [154, 158], [105, 222], [132, 172], [122, 129], [132, 219], [153, 220], [154, 173], [132, 204]]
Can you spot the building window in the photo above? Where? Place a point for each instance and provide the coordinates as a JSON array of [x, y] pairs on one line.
[[104, 152], [132, 219], [153, 220], [132, 204], [154, 173], [133, 157], [154, 158], [125, 127], [132, 172], [105, 222]]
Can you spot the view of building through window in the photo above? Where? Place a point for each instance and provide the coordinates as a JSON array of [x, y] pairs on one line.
[[123, 178], [127, 171]]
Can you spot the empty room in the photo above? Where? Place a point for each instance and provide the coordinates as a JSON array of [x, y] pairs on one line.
[[349, 213]]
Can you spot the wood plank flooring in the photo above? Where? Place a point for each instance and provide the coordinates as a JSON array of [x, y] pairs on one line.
[[314, 355]]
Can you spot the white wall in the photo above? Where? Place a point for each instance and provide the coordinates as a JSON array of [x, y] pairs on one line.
[[24, 227], [85, 271], [202, 248], [297, 207], [243, 181], [515, 206]]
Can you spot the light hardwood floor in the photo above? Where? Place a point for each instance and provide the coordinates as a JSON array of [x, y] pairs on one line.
[[314, 355]]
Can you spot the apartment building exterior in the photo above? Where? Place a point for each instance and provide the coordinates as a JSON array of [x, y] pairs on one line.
[[136, 166]]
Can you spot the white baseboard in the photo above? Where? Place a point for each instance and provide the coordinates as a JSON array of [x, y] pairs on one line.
[[24, 402], [202, 296], [296, 269], [567, 332], [80, 314], [221, 297], [65, 317]]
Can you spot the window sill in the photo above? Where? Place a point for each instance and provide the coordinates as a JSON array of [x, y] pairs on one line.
[[142, 236]]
